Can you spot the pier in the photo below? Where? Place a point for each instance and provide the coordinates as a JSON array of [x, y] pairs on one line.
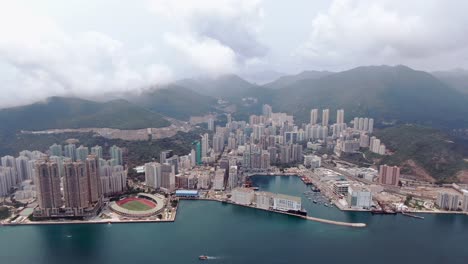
[[310, 218], [332, 222]]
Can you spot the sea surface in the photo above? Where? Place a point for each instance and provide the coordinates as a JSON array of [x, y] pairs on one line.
[[233, 234]]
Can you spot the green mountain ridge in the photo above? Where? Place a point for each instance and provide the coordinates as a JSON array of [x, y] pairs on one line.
[[290, 79], [457, 79], [175, 101], [385, 93], [225, 86], [64, 112]]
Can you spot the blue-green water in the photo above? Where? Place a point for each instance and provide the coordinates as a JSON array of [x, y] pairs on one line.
[[235, 234]]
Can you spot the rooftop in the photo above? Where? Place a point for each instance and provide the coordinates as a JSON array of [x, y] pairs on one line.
[[287, 197], [186, 192]]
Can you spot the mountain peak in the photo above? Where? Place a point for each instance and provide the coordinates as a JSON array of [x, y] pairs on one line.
[[286, 80]]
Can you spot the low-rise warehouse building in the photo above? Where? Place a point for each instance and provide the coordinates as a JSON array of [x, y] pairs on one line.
[[187, 193]]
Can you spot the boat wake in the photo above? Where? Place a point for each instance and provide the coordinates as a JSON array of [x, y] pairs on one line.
[[213, 257]]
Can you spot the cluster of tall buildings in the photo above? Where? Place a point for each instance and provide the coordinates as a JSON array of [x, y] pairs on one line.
[[165, 177], [82, 193], [376, 146], [452, 201], [325, 120], [74, 153], [363, 124], [14, 171], [255, 157], [265, 140], [73, 180], [273, 138], [68, 181]]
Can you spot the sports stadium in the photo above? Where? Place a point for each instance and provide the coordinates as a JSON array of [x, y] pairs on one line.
[[141, 205]]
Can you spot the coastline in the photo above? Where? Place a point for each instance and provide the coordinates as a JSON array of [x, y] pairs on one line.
[[340, 207], [173, 218]]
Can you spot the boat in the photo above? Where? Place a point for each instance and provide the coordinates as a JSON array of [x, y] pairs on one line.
[[314, 188], [301, 212], [326, 205], [203, 257], [315, 201]]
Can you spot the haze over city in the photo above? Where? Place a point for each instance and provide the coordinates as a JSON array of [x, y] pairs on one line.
[[89, 48]]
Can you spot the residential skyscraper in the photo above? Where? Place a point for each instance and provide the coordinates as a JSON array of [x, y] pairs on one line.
[[153, 174], [198, 152], [168, 177], [8, 161], [75, 185], [211, 124], [70, 151], [116, 155], [97, 150], [267, 110], [6, 180], [48, 185], [94, 181], [56, 150], [366, 124], [313, 116], [165, 155], [22, 169], [361, 124], [113, 179], [204, 145], [233, 177], [218, 143], [325, 117], [82, 153], [340, 116], [174, 161], [447, 201], [370, 128]]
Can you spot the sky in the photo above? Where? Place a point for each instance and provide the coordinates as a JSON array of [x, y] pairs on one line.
[[91, 48]]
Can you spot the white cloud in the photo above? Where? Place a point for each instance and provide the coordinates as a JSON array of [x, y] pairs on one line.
[[356, 32], [218, 36], [52, 48], [39, 59], [206, 54]]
